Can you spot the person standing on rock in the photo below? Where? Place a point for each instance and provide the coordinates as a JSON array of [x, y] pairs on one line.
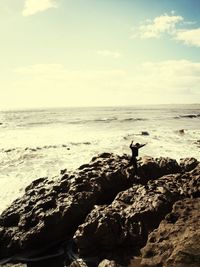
[[135, 149]]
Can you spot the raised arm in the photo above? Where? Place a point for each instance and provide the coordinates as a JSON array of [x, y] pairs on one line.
[[131, 145], [141, 145]]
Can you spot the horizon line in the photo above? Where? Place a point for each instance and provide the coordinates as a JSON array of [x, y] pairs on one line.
[[98, 106]]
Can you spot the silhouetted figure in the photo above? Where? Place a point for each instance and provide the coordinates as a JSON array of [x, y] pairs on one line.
[[135, 149]]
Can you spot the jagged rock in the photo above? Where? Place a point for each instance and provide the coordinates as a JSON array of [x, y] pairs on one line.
[[176, 242], [78, 263], [150, 168], [126, 222], [50, 211], [188, 164], [135, 262], [81, 202], [108, 263]]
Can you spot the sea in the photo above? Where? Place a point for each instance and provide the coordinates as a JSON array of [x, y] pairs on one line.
[[42, 142]]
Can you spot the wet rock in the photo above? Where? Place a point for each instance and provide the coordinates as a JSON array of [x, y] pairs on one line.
[[144, 133], [181, 131], [63, 171], [176, 242], [8, 150]]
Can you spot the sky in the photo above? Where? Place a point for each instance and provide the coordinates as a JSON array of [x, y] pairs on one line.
[[61, 53]]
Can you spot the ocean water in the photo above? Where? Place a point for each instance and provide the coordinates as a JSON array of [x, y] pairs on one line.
[[40, 143]]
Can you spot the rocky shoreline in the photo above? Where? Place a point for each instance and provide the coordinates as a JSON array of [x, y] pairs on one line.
[[103, 215]]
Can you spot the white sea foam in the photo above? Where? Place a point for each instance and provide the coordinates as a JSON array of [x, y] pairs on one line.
[[40, 143]]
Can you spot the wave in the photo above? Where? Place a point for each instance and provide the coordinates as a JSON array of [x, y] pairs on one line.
[[133, 119], [189, 116], [36, 123], [94, 120], [103, 120], [107, 120], [80, 143], [34, 149]]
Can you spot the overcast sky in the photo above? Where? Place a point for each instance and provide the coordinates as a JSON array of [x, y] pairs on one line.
[[99, 52]]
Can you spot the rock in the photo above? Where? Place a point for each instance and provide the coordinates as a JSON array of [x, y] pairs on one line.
[[181, 131], [50, 211], [124, 223], [133, 214], [150, 168], [144, 133], [78, 263], [106, 209], [9, 150], [108, 263], [188, 164], [135, 262], [176, 242], [63, 171]]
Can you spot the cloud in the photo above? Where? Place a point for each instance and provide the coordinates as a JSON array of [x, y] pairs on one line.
[[32, 7], [169, 24], [161, 24], [108, 53], [190, 37]]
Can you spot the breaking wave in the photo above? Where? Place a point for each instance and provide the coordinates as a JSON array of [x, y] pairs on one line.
[[34, 149], [189, 116]]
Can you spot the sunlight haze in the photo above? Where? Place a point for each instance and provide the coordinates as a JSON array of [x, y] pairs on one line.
[[57, 53]]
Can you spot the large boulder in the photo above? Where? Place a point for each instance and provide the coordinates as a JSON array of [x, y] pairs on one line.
[[150, 168], [176, 242], [50, 211], [107, 209], [133, 214]]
